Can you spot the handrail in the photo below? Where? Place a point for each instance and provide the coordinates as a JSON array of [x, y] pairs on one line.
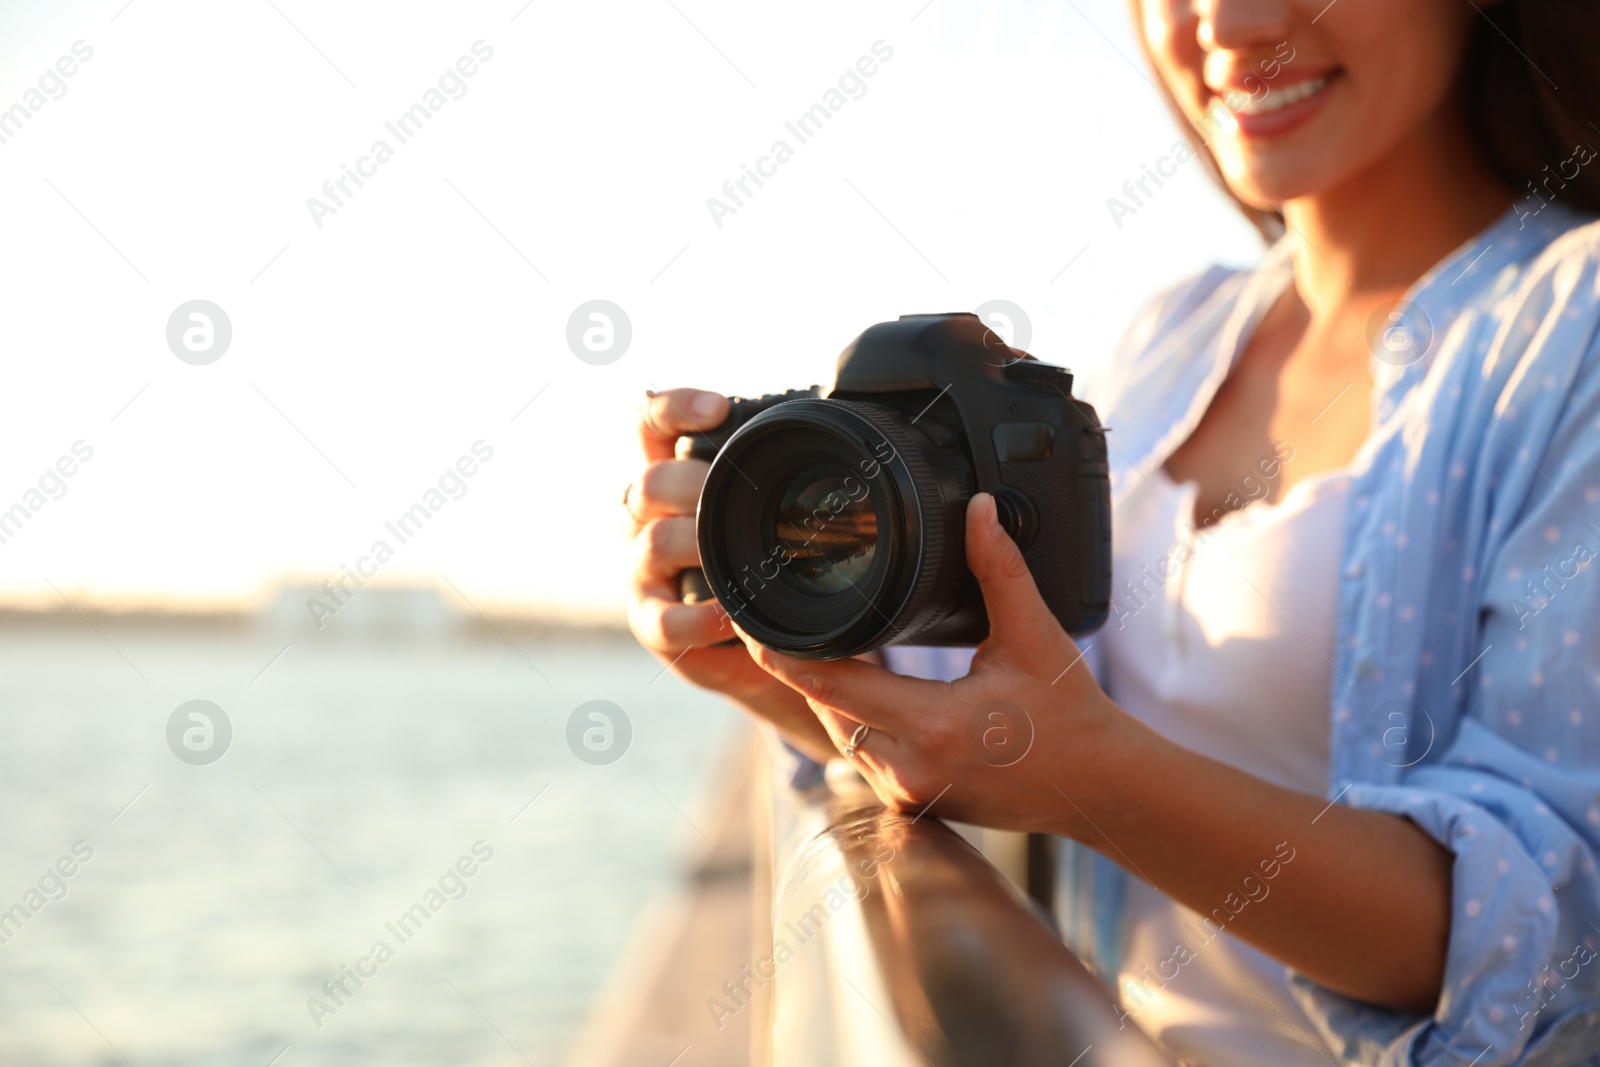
[[895, 942]]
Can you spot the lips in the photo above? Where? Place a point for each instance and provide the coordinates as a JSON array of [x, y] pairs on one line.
[[1279, 110], [1274, 99]]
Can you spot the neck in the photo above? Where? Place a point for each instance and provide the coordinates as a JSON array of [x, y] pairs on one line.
[[1372, 236]]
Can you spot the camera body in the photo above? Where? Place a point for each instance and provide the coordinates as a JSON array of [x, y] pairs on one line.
[[832, 523]]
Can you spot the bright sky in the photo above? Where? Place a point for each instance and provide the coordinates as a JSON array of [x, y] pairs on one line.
[[369, 354]]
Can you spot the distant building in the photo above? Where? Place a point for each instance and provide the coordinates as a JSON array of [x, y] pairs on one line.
[[371, 611]]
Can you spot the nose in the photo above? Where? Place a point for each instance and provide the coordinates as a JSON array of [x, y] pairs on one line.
[[1240, 25]]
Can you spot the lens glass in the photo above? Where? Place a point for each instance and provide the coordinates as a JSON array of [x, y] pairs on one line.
[[827, 528]]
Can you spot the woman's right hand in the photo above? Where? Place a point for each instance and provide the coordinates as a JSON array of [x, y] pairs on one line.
[[662, 500]]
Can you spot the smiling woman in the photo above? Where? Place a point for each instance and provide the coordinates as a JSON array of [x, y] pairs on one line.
[[1467, 67], [1336, 672]]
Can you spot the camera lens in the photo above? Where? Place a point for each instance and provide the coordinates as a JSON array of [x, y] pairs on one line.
[[827, 525], [828, 528]]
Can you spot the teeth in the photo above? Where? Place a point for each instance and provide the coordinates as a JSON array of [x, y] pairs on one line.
[[1274, 100]]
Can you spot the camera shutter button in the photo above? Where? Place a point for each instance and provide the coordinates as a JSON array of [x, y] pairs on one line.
[[1045, 377]]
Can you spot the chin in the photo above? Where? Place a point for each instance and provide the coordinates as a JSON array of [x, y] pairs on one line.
[[1316, 151], [1267, 184]]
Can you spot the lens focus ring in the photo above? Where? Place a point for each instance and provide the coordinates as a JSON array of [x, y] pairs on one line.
[[931, 560], [793, 554]]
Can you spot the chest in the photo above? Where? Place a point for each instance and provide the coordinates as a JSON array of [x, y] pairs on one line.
[[1295, 405]]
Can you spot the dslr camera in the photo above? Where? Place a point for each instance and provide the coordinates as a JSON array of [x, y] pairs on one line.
[[834, 522]]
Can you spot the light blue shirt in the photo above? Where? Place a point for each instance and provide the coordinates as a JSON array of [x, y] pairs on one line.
[[1466, 681]]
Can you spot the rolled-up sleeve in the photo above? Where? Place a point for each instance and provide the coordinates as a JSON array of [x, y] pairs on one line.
[[1522, 978], [1513, 791]]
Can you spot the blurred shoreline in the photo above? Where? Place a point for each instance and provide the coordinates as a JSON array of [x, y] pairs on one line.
[[295, 609]]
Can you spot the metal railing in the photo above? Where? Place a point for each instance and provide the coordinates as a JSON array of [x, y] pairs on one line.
[[895, 942]]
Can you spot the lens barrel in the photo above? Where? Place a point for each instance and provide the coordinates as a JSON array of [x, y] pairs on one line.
[[828, 528]]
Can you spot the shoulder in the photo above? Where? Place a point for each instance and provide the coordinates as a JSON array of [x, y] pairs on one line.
[[1165, 327], [1577, 242], [1178, 302], [1180, 307], [1531, 387], [1560, 278], [1544, 316], [1521, 325]]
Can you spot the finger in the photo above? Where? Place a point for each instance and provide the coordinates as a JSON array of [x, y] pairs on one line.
[[1019, 619], [883, 700], [667, 487], [842, 728], [665, 547], [663, 624], [666, 416], [879, 756], [839, 728]]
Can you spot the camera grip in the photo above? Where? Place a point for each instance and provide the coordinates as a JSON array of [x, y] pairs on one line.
[[693, 587]]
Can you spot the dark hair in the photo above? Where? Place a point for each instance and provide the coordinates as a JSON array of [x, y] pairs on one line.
[[1531, 85], [1533, 92]]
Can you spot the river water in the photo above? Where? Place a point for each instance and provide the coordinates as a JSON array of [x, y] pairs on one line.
[[365, 780]]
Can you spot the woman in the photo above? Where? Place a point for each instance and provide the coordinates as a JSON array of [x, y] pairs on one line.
[[1338, 738]]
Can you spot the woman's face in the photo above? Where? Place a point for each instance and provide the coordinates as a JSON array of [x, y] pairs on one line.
[[1295, 97]]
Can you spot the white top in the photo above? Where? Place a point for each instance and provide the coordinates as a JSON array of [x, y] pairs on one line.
[[1222, 639], [1230, 655]]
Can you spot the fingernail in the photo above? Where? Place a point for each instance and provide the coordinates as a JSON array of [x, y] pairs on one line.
[[704, 405]]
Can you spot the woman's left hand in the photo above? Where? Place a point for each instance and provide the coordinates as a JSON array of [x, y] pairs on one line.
[[1016, 744]]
